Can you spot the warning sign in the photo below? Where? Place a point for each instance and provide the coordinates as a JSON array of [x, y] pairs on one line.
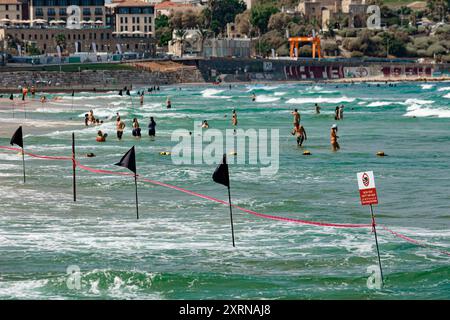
[[367, 190]]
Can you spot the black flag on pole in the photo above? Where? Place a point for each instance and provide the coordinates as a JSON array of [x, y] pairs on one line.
[[11, 97], [128, 92], [128, 160], [120, 93], [17, 138], [221, 174], [73, 93]]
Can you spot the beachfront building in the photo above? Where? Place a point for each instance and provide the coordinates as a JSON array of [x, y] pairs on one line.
[[45, 40], [119, 27], [55, 11], [135, 18], [10, 11]]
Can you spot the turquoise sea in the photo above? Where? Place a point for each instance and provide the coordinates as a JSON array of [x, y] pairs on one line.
[[180, 248]]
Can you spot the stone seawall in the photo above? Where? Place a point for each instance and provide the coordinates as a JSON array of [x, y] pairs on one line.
[[98, 79]]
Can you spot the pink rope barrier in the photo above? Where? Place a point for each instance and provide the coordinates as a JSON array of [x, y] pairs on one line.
[[206, 197]]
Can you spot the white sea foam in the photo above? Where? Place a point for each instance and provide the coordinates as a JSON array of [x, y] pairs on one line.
[[416, 110], [427, 86], [380, 103], [447, 96], [213, 93], [444, 89], [279, 94], [320, 100], [418, 101], [264, 98]]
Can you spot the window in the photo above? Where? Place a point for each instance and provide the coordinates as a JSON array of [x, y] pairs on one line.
[[6, 7], [68, 37], [84, 37], [138, 20], [145, 19], [95, 36], [41, 36], [23, 36], [39, 12], [86, 11], [121, 29], [62, 12], [133, 20], [18, 17], [17, 7], [121, 20], [126, 19], [102, 36], [51, 12], [46, 37], [134, 29], [107, 36], [35, 37], [145, 28], [98, 11], [90, 36]]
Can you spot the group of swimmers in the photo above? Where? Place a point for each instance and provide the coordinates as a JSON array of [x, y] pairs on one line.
[[136, 129], [300, 133], [89, 119]]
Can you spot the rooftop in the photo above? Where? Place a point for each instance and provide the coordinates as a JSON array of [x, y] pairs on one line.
[[133, 3], [170, 4], [10, 2]]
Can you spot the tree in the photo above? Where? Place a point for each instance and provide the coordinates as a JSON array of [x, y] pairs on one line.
[[222, 12], [260, 16], [161, 21], [279, 21], [242, 22], [164, 35]]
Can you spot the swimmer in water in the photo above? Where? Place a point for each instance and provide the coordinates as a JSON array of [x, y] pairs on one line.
[[205, 124], [101, 137], [253, 97], [300, 132], [152, 127], [341, 112], [120, 126], [297, 117], [333, 138], [336, 113], [86, 120], [168, 103], [317, 108], [234, 121], [142, 98], [136, 132]]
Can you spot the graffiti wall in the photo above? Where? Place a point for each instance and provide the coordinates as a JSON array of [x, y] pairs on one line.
[[313, 72]]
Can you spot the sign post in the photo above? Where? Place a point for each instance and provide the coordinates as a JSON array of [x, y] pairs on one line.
[[368, 196]]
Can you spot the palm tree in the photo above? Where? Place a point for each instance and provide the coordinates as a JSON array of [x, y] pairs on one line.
[[203, 35]]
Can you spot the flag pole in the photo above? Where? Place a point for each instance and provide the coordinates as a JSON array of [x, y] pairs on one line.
[[23, 164], [231, 215], [73, 168], [137, 206], [376, 241]]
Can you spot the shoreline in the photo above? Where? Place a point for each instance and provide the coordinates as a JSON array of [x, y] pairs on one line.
[[93, 88]]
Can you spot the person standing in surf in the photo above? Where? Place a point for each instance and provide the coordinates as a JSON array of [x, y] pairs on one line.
[[168, 103], [316, 106], [120, 126], [300, 132], [333, 138], [341, 112], [336, 113], [142, 98], [152, 127], [234, 121], [297, 117], [136, 132]]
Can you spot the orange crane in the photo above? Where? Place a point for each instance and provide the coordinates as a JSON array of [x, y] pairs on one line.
[[295, 42]]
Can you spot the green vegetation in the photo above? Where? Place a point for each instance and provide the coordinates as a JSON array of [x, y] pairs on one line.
[[406, 32]]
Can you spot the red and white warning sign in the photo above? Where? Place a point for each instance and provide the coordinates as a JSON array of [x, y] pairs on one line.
[[367, 190]]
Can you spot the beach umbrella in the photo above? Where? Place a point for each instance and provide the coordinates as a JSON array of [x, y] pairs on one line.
[[129, 161], [17, 139], [222, 176], [99, 22]]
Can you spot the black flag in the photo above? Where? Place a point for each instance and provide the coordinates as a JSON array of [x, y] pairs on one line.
[[120, 93], [73, 93], [221, 174], [17, 138], [128, 161], [11, 97], [128, 92]]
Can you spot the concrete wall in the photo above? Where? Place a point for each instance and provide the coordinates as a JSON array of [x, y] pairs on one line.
[[97, 79]]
